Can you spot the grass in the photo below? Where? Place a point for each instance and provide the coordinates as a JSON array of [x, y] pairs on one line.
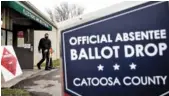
[[14, 92]]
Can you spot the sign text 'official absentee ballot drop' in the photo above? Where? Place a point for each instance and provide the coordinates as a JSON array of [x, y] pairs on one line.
[[124, 54]]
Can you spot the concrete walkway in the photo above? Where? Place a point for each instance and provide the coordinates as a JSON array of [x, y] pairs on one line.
[[46, 83], [26, 74]]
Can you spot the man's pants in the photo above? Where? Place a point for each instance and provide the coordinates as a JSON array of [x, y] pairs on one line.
[[45, 55], [51, 63]]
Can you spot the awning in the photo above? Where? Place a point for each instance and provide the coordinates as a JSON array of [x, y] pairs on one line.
[[26, 12]]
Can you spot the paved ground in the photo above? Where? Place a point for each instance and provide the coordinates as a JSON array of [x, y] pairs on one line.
[[26, 73], [47, 83]]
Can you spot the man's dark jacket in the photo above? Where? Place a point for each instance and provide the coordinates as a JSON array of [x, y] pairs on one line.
[[44, 44]]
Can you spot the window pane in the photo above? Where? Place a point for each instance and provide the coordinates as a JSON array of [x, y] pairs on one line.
[[3, 35], [10, 38]]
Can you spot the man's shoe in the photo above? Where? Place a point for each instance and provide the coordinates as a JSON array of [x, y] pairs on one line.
[[51, 68], [47, 69], [38, 66]]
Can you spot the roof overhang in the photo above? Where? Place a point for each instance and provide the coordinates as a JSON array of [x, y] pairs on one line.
[[22, 9]]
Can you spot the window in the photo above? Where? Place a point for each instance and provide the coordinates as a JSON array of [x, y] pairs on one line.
[[9, 38], [3, 37]]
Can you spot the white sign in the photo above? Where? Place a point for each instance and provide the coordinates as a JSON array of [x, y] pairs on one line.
[[27, 46], [10, 67], [20, 42]]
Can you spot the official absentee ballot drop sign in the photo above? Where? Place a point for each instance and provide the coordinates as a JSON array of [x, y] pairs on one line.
[[10, 67], [124, 54]]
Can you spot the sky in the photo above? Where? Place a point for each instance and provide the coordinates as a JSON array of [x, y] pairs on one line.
[[89, 5]]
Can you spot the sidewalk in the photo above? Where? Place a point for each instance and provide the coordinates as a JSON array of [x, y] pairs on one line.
[[26, 74], [46, 83]]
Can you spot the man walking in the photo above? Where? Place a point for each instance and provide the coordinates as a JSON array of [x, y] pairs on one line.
[[44, 47]]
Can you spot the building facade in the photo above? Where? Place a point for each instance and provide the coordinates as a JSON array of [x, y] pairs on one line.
[[23, 25]]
